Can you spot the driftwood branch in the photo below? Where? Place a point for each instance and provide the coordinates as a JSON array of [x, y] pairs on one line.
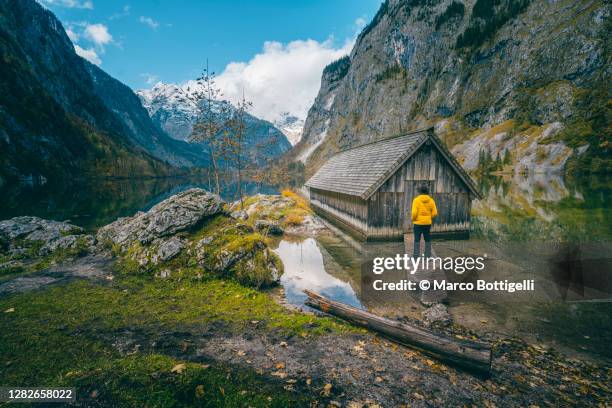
[[471, 355]]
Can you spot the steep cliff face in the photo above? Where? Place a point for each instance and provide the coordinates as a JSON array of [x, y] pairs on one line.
[[523, 80], [60, 115]]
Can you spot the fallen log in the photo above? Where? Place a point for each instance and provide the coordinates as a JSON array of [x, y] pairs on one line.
[[474, 356]]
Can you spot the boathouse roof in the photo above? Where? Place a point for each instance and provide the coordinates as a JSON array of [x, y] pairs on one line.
[[361, 170]]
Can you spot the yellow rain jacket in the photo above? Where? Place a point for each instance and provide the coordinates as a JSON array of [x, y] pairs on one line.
[[423, 210]]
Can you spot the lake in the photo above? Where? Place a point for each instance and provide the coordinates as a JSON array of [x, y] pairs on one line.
[[96, 202], [524, 224], [556, 231]]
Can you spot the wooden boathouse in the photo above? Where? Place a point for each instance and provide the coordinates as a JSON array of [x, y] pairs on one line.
[[368, 189]]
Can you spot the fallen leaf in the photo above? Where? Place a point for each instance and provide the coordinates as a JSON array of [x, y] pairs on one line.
[[241, 353], [178, 369], [308, 381], [283, 344], [418, 396], [11, 310], [326, 390], [199, 391], [280, 366], [378, 379], [280, 374]]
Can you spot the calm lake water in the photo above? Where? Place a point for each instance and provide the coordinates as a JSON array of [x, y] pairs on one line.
[[553, 230], [530, 228], [94, 203]]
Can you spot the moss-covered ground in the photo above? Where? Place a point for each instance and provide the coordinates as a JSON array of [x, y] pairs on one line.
[[65, 335], [59, 337]]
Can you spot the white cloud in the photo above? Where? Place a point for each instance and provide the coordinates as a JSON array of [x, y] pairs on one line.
[[149, 21], [89, 54], [360, 22], [73, 35], [282, 77], [150, 79], [125, 11], [86, 4], [98, 34]]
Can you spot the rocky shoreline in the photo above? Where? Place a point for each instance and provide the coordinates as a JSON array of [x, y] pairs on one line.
[[185, 285]]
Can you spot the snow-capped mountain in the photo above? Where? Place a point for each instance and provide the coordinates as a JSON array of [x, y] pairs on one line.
[[174, 108], [291, 126]]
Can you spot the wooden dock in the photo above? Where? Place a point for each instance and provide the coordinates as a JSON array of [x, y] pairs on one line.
[[431, 296]]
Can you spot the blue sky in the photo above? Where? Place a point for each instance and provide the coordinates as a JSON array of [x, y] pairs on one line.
[[140, 42]]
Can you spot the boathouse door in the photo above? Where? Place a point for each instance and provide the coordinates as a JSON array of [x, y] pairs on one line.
[[411, 189]]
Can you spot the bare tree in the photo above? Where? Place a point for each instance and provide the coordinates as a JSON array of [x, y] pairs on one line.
[[234, 136], [212, 113]]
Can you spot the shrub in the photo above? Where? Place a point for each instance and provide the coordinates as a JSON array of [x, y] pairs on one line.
[[294, 219], [488, 16], [455, 10], [338, 69], [297, 199]]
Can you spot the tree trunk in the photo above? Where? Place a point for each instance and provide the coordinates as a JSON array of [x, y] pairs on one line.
[[471, 355], [216, 171]]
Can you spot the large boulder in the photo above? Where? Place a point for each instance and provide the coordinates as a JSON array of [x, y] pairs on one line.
[[35, 229], [177, 213], [239, 252], [158, 251], [30, 236]]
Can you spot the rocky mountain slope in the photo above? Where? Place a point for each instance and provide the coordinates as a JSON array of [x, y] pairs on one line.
[[61, 115], [139, 127], [173, 109], [519, 84], [291, 126]]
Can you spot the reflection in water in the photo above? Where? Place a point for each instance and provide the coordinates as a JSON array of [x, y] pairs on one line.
[[91, 203], [544, 207], [556, 231], [304, 269], [545, 227]]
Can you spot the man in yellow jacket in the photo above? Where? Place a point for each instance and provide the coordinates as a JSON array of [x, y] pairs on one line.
[[423, 212]]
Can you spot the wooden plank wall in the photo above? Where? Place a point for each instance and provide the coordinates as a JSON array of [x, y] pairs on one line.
[[388, 207], [349, 209]]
